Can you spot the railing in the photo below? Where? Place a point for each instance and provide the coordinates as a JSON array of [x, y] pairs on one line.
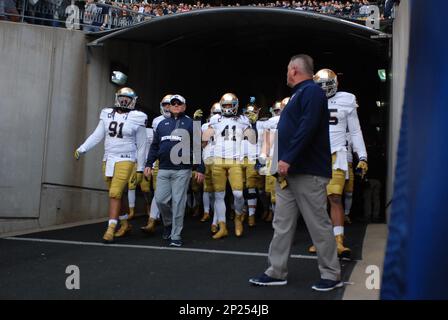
[[92, 17], [72, 14]]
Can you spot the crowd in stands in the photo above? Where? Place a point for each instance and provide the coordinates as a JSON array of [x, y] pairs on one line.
[[96, 15]]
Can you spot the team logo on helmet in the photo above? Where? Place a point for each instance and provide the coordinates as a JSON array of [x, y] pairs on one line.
[[327, 80], [229, 104], [125, 98]]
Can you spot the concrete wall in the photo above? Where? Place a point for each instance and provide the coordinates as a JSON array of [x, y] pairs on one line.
[[52, 90], [399, 64]]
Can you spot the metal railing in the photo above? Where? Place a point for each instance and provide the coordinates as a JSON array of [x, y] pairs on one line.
[[94, 16], [71, 14]]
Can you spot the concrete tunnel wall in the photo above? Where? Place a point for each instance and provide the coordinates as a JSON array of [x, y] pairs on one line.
[[61, 109]]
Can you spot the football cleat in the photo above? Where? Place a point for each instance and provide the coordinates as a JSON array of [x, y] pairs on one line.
[[125, 228], [109, 235], [214, 228], [343, 252], [238, 225], [251, 221], [150, 227], [205, 217], [131, 213], [222, 231]]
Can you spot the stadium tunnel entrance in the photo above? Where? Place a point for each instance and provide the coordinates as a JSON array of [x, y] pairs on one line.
[[205, 53]]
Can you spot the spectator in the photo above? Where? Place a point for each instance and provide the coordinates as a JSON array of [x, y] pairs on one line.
[[305, 164]]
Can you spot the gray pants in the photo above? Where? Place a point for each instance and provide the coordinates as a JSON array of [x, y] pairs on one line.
[[307, 195], [171, 198]]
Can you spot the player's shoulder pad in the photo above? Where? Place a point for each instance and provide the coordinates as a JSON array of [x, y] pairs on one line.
[[215, 119], [346, 99], [205, 126], [104, 114], [137, 117], [244, 120]]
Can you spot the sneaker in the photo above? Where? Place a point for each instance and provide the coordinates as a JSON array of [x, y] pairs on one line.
[[176, 243], [327, 285], [166, 233], [265, 280]]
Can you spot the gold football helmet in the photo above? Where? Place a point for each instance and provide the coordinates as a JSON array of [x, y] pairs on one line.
[[216, 109], [276, 108], [285, 102], [165, 105], [125, 98], [251, 111], [327, 80], [229, 104]]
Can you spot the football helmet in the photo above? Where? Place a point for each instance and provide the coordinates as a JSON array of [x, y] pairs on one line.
[[251, 111], [276, 108], [285, 102], [125, 98], [216, 109], [328, 81], [229, 104], [119, 78], [165, 105]]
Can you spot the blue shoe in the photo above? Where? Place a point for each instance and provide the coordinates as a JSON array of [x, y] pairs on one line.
[[327, 285], [176, 243], [265, 280], [166, 233]]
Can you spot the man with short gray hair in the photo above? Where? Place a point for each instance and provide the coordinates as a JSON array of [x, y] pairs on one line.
[[305, 164]]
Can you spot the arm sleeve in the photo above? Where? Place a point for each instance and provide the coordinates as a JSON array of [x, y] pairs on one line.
[[153, 150], [141, 148], [356, 134], [94, 138], [308, 123]]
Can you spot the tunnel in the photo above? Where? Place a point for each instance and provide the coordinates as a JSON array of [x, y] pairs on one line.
[[245, 50]]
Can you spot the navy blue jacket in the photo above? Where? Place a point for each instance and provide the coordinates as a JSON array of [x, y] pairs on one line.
[[164, 140], [303, 131]]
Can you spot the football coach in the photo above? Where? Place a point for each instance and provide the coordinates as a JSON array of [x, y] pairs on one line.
[[173, 147], [304, 160]]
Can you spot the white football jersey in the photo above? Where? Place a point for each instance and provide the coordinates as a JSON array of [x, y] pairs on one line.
[[271, 125], [349, 148], [124, 133], [251, 149], [207, 152], [342, 107], [229, 132]]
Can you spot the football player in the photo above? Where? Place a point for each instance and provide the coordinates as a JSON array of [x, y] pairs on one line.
[[342, 108], [144, 183], [154, 214], [124, 131], [207, 156], [227, 131], [350, 182], [249, 155], [267, 152]]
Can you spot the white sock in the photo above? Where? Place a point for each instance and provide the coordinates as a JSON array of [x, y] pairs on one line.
[[112, 221], [215, 219], [348, 203], [131, 198], [206, 201], [220, 206], [123, 217], [338, 230], [238, 199], [154, 210]]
